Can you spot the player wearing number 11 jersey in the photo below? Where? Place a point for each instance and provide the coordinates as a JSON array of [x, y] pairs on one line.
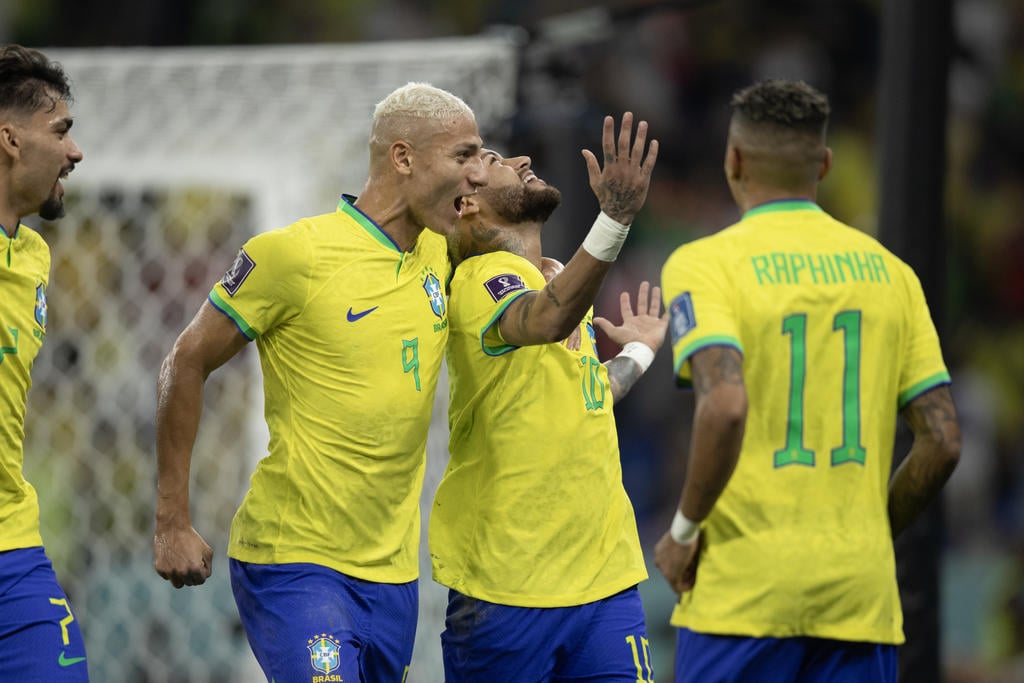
[[803, 338]]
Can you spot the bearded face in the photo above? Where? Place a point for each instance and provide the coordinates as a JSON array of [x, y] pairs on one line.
[[531, 202]]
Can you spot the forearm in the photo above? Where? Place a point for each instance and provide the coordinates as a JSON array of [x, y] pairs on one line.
[[932, 458], [551, 314], [714, 452], [916, 482], [627, 368], [179, 405]]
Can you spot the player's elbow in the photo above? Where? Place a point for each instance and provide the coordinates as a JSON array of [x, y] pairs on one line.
[[727, 406], [947, 450]]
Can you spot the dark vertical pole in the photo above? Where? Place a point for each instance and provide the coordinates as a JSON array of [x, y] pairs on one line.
[[916, 49]]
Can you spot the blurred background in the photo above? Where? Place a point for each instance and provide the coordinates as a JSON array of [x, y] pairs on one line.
[[203, 123]]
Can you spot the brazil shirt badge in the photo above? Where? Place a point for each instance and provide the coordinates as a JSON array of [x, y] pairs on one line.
[[40, 311], [432, 286]]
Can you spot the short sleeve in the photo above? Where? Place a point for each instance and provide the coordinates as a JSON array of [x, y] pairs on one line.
[[923, 367], [484, 287], [267, 283], [700, 298]]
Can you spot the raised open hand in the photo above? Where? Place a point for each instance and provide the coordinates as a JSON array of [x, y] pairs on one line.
[[647, 325], [621, 184]]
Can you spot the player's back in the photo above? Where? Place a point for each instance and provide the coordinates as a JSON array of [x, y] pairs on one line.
[[829, 323]]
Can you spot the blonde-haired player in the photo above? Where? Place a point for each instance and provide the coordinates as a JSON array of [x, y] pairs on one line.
[[350, 317]]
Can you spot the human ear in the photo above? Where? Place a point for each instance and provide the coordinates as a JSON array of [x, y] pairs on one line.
[[733, 162], [9, 141], [400, 154], [826, 164]]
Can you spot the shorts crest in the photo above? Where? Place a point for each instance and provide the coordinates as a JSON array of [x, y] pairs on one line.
[[324, 654]]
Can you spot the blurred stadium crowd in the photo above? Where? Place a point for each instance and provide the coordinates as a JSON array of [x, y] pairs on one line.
[[676, 66]]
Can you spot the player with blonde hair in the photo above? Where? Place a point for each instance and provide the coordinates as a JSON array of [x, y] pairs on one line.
[[349, 314]]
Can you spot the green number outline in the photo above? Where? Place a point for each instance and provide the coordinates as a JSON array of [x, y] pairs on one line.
[[851, 450]]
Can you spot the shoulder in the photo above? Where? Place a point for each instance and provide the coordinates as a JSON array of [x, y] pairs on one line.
[[34, 246], [706, 250]]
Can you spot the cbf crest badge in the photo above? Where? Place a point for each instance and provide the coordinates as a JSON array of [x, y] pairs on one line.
[[41, 308], [432, 286], [324, 656]]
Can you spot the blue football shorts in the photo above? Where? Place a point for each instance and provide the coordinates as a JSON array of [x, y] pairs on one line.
[[603, 641], [707, 658], [310, 624], [39, 635]]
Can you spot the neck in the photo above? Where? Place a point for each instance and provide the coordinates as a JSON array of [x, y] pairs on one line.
[[753, 196], [391, 213], [9, 222], [522, 240]]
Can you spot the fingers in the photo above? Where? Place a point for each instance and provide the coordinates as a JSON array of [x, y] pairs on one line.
[[608, 140], [641, 139], [626, 307], [604, 324], [655, 307], [593, 168], [625, 133], [641, 298], [652, 156]]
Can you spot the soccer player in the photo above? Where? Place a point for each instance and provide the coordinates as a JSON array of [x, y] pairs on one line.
[[350, 318], [802, 338], [531, 528], [39, 636]]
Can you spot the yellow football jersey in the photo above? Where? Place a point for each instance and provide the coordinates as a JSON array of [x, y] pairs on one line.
[[836, 337], [351, 334], [531, 511], [24, 275]]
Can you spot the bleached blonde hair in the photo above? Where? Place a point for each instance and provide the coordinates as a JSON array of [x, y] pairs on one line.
[[402, 115]]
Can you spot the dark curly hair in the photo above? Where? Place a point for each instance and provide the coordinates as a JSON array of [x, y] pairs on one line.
[[29, 80], [786, 104]]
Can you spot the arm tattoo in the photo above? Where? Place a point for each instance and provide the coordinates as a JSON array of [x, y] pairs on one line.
[[623, 373], [716, 365], [518, 312], [552, 295], [932, 413]]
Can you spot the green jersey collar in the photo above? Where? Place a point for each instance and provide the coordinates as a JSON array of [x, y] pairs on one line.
[[782, 205], [347, 206]]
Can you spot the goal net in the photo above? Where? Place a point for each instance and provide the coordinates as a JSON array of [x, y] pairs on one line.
[[188, 152]]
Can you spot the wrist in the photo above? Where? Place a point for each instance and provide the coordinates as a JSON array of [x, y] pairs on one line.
[[605, 238], [639, 352], [683, 531]]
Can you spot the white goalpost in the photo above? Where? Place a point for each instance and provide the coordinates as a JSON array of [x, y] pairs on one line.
[[188, 152]]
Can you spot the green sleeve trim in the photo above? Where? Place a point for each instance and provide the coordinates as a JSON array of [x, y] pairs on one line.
[[938, 379], [224, 307], [703, 343], [503, 348]]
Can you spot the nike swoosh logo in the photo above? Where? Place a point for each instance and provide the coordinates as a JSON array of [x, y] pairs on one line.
[[68, 661], [352, 317]]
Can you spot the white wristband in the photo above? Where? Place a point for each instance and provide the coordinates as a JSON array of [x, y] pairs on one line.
[[605, 238], [638, 351], [683, 531]]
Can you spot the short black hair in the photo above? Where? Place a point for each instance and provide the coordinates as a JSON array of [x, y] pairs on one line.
[[28, 78], [786, 104]]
